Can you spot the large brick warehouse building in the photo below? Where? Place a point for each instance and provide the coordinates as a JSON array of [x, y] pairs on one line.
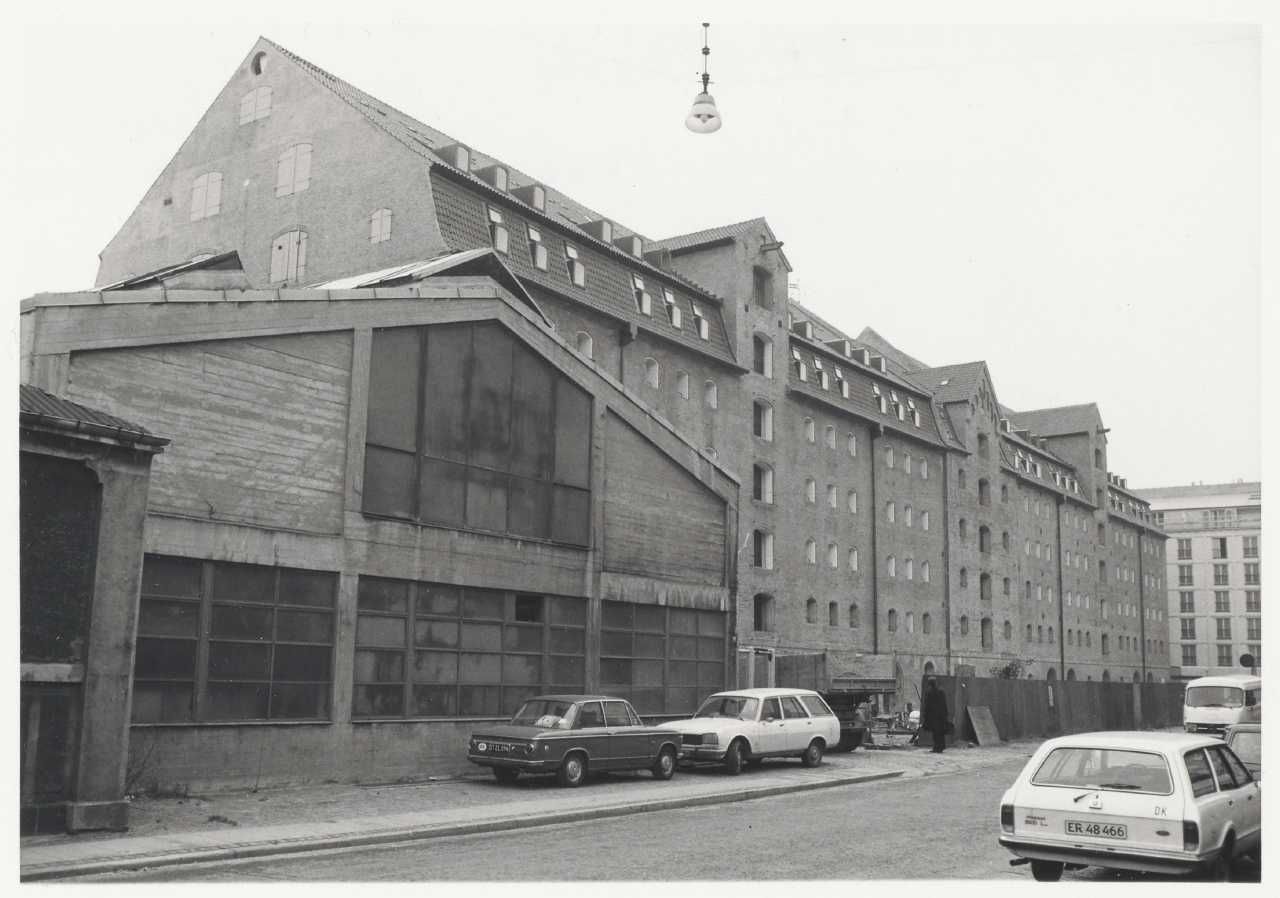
[[442, 437]]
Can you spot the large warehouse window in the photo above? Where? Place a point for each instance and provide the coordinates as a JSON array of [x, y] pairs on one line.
[[470, 428], [665, 660], [264, 649], [431, 650]]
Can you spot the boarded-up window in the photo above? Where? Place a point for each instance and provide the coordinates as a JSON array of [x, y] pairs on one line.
[[267, 645], [289, 257], [206, 195], [665, 660], [256, 104], [469, 428], [380, 226], [433, 650], [293, 170]]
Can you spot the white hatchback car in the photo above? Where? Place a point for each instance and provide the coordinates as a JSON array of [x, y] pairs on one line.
[[1157, 802], [746, 725]]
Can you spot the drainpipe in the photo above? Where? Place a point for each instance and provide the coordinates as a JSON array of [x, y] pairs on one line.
[[946, 555], [1142, 611], [1062, 611], [876, 431]]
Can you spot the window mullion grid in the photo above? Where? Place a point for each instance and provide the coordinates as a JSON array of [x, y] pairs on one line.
[[420, 437], [271, 651], [410, 645]]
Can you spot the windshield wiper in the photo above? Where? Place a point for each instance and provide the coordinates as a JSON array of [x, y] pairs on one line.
[[1092, 789], [1120, 786]]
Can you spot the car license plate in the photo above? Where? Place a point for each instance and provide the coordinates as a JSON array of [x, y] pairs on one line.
[[1097, 830]]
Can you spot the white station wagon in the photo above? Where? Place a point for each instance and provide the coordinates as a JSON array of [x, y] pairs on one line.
[[746, 725], [1157, 802]]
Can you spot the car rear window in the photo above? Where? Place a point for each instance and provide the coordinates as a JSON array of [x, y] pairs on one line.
[[1106, 769], [1198, 770], [791, 705], [615, 714], [817, 707]]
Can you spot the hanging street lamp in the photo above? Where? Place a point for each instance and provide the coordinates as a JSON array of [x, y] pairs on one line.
[[704, 118]]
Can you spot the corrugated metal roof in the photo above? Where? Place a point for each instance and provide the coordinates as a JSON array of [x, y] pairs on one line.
[[37, 404]]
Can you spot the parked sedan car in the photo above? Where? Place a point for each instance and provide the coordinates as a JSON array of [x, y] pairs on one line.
[[1156, 802], [571, 736], [746, 725], [1245, 740]]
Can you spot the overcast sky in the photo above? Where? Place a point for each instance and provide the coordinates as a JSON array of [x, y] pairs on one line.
[[1076, 204]]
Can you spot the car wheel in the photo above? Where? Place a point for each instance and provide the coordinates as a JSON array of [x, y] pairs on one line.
[[812, 756], [573, 772], [665, 766], [1219, 869], [505, 774], [733, 758], [1046, 871]]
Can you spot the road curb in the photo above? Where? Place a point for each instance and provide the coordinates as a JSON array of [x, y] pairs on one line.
[[274, 847]]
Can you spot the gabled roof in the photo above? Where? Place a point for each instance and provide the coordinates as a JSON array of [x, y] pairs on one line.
[[428, 142], [896, 356], [1049, 422], [951, 383], [483, 261], [36, 406], [725, 233]]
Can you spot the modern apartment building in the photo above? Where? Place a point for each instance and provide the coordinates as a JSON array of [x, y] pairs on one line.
[[1214, 572], [467, 438]]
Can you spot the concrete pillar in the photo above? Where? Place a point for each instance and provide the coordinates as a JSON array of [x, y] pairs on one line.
[[103, 750]]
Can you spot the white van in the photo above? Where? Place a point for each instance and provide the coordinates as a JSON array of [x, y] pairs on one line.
[[1211, 704]]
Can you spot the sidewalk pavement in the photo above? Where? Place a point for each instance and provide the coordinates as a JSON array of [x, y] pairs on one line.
[[245, 824]]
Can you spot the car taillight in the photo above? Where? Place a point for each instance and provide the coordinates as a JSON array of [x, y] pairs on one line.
[[1006, 817], [1190, 836]]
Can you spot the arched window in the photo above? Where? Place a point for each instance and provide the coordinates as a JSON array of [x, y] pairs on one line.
[[762, 483], [586, 346], [924, 469], [833, 496], [1027, 638], [911, 569], [964, 578], [911, 621], [763, 619], [833, 555], [853, 558], [710, 394], [810, 551], [833, 614], [984, 538], [762, 556], [928, 665], [924, 520], [984, 448], [1088, 639], [830, 436], [1004, 492], [852, 443], [682, 384], [907, 514], [762, 355], [1071, 636], [811, 611], [987, 641], [906, 462], [1005, 541], [810, 433], [890, 511], [960, 478], [855, 620], [1106, 644], [888, 457], [984, 586], [1071, 673], [1097, 458], [1039, 634], [1005, 586], [984, 491], [964, 625], [1050, 634], [926, 626], [1008, 630], [964, 529], [1106, 676], [652, 377], [893, 621], [762, 420], [853, 501], [924, 571], [810, 490], [893, 566]]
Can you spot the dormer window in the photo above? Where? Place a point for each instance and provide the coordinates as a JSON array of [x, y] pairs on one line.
[[644, 305], [700, 322], [498, 231], [500, 178], [573, 266], [539, 197], [537, 249], [824, 379], [457, 155], [673, 310], [915, 417], [802, 370], [256, 104]]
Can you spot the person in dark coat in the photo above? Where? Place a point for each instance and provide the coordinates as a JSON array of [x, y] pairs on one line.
[[933, 716]]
